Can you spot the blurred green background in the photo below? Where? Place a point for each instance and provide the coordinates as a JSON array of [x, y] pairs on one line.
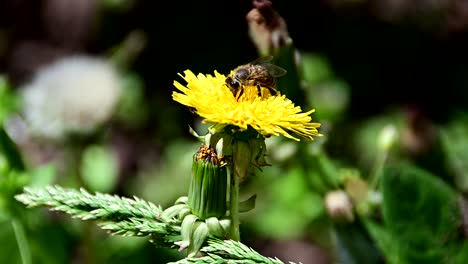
[[388, 80]]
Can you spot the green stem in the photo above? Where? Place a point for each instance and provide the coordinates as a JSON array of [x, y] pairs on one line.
[[377, 169], [234, 204], [22, 242]]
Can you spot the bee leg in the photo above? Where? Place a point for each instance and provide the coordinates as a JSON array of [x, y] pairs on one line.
[[239, 94], [259, 90], [272, 91]]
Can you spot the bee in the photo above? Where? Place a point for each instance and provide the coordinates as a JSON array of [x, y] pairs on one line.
[[259, 73]]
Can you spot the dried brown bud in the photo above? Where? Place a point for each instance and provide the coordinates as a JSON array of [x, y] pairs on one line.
[[267, 28]]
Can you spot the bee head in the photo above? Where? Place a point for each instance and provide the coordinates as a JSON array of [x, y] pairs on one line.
[[232, 83]]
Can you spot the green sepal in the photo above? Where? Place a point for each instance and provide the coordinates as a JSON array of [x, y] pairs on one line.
[[184, 212], [214, 227], [198, 238], [174, 210], [182, 200], [225, 224], [248, 204], [186, 230]]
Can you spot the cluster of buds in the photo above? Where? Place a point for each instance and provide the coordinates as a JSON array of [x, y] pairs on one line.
[[203, 212], [211, 208]]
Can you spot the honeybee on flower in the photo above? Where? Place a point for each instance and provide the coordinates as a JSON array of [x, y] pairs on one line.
[[259, 73], [209, 97]]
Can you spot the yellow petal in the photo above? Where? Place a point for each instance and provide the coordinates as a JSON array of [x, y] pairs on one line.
[[270, 115]]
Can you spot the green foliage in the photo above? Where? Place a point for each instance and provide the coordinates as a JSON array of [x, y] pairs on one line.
[[132, 108], [9, 151], [454, 138], [355, 245], [99, 168], [134, 217], [401, 214], [229, 251], [7, 234], [85, 206], [289, 212], [170, 176], [420, 218], [42, 176], [290, 83], [9, 102], [323, 89], [315, 68], [12, 175]]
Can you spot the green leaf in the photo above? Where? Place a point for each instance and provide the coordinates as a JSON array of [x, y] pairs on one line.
[[420, 212], [9, 149], [331, 98], [8, 101], [315, 68], [384, 240], [454, 139], [291, 208], [42, 176], [290, 83], [460, 253], [99, 168], [132, 108], [50, 242], [355, 245], [248, 204], [10, 252]]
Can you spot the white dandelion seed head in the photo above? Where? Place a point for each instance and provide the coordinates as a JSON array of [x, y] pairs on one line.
[[74, 94]]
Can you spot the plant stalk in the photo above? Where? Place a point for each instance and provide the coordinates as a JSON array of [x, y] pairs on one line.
[[23, 246], [234, 204]]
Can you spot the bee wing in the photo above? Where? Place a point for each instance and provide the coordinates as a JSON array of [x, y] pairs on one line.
[[262, 60], [274, 70]]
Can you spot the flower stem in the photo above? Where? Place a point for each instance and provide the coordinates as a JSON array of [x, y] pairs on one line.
[[234, 205], [22, 243], [377, 170]]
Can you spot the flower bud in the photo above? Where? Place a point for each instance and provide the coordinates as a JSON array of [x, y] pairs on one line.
[[339, 206], [387, 137], [208, 185]]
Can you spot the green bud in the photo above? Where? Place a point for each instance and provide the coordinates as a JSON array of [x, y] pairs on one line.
[[242, 157], [214, 227], [208, 185], [174, 210], [248, 156], [258, 150], [387, 137]]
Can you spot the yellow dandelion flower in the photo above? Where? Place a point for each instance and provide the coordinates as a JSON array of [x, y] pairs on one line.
[[269, 115]]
